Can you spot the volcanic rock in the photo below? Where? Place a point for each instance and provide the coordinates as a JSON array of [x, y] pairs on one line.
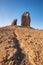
[[25, 20], [14, 22]]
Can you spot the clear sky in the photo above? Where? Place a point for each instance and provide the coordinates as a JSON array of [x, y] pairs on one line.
[[12, 9]]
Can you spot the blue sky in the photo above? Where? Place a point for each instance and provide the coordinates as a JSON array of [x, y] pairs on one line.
[[13, 9]]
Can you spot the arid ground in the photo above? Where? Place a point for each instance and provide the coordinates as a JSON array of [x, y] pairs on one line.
[[21, 46]]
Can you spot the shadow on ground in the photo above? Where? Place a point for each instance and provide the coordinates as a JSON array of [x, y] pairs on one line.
[[18, 56]]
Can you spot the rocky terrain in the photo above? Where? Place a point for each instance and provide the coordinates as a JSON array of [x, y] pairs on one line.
[[21, 46]]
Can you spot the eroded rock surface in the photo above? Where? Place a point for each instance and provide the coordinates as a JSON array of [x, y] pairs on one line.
[[14, 22], [21, 46], [25, 20]]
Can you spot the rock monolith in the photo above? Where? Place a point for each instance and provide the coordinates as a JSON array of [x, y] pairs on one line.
[[25, 20]]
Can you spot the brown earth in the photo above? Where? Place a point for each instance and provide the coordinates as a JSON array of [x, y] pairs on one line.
[[21, 46]]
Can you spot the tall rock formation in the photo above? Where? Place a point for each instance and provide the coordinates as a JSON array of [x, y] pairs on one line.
[[25, 20], [14, 22]]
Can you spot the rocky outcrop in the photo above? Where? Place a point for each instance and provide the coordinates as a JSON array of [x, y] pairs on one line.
[[25, 20], [14, 22]]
